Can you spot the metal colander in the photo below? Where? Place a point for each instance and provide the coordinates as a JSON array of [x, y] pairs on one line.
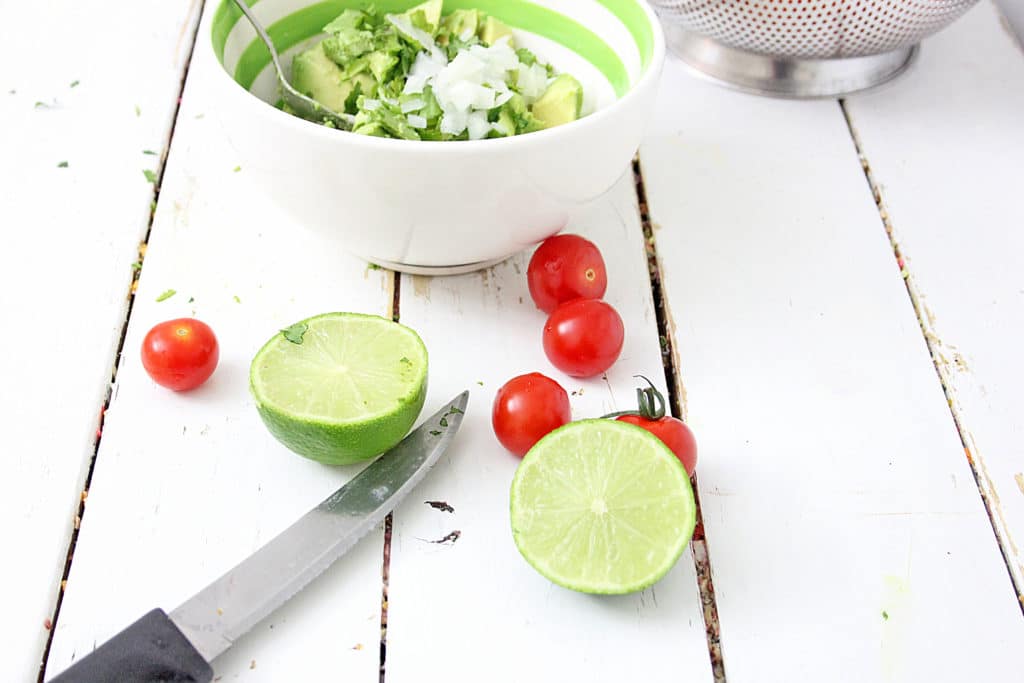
[[803, 48]]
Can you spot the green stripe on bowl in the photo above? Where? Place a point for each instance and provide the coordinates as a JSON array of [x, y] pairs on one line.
[[637, 23], [521, 14]]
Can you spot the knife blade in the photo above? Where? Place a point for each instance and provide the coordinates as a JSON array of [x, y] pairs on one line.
[[179, 646]]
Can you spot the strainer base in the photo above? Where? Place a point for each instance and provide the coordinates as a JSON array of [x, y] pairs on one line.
[[786, 77]]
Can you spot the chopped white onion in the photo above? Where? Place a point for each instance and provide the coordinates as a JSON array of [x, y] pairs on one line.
[[413, 105], [467, 87], [371, 105], [478, 125], [532, 81], [416, 121]]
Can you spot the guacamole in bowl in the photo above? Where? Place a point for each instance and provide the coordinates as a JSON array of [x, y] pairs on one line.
[[421, 75]]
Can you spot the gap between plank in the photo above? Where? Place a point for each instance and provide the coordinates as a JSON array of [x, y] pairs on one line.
[[677, 403], [933, 343], [117, 354], [395, 314]]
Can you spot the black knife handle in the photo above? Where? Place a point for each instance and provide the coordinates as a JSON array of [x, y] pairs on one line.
[[152, 650]]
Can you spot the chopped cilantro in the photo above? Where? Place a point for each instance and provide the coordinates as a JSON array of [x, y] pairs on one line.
[[74, 84], [885, 615], [237, 300], [150, 175], [237, 169], [166, 295], [373, 266], [42, 105], [149, 152], [479, 382], [137, 266], [455, 410], [138, 111], [434, 432], [444, 422], [191, 299], [62, 164], [295, 333]]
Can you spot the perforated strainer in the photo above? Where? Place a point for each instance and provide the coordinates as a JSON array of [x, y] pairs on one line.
[[803, 48]]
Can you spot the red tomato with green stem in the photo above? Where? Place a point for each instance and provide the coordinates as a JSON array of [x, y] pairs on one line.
[[180, 354], [673, 432], [584, 337], [526, 408], [566, 267]]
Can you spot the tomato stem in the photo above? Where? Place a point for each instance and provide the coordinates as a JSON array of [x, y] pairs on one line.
[[650, 403]]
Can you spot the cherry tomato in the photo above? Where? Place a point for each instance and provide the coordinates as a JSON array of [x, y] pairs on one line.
[[180, 354], [584, 337], [674, 433], [563, 268], [526, 408]]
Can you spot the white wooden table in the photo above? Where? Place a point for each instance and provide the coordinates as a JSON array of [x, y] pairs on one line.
[[839, 295]]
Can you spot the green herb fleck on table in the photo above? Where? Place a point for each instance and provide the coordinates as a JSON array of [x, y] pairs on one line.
[[166, 295], [237, 300], [191, 299], [150, 175], [480, 382], [295, 333], [236, 169], [62, 164], [42, 105], [74, 84], [885, 615], [149, 152], [373, 266], [138, 111]]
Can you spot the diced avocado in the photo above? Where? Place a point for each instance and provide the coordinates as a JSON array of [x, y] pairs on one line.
[[381, 64], [522, 120], [429, 18], [373, 129], [506, 123], [560, 103], [492, 30], [462, 21], [349, 37], [315, 75]]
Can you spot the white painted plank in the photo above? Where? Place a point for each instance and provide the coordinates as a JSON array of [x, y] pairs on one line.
[[847, 538], [951, 179], [475, 609], [187, 485], [70, 236]]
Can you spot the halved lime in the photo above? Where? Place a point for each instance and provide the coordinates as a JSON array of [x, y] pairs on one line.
[[601, 506], [340, 387]]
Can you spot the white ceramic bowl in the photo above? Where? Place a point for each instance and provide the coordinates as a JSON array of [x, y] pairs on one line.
[[444, 207]]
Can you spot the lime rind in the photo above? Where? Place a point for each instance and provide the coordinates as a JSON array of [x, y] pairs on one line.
[[600, 506], [351, 390]]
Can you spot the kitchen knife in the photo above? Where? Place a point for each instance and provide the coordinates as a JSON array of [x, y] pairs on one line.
[[178, 647]]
